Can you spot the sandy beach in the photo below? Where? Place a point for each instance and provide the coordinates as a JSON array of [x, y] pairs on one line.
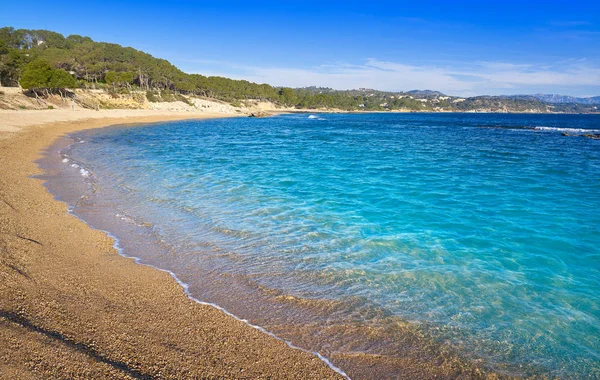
[[391, 193], [71, 307]]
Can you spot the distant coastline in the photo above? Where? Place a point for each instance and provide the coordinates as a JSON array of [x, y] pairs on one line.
[[14, 99], [130, 78]]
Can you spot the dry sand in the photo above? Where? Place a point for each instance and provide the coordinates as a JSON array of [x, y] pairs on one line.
[[14, 121], [71, 307]]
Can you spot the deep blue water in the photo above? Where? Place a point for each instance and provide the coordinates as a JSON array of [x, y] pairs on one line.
[[483, 228]]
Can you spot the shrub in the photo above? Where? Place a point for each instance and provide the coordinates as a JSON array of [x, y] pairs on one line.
[[167, 96], [139, 97], [184, 99], [152, 97]]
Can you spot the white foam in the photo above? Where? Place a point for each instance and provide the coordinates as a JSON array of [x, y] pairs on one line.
[[313, 117], [84, 173], [574, 130], [185, 287], [65, 160], [125, 218]]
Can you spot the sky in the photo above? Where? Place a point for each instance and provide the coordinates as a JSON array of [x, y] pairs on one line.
[[462, 48]]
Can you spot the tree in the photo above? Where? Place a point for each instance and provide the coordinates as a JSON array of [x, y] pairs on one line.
[[36, 75], [288, 96], [10, 64], [39, 75], [119, 79], [60, 80], [111, 78], [10, 37]]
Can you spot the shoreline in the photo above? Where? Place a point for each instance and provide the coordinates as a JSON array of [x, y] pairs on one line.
[[135, 321], [410, 351], [355, 112]]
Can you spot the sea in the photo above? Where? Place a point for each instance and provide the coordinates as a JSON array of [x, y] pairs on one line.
[[382, 240]]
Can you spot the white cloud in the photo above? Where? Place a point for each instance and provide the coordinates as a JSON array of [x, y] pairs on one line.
[[467, 79]]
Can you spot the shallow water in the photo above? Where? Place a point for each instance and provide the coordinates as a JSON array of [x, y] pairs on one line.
[[480, 231]]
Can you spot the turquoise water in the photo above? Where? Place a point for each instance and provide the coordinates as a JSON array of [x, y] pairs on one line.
[[483, 230]]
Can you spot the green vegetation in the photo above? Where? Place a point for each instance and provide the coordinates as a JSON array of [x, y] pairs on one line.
[[152, 97], [38, 76], [104, 65], [116, 79], [47, 62]]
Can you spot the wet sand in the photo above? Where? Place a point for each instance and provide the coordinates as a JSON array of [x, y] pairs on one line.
[[71, 307]]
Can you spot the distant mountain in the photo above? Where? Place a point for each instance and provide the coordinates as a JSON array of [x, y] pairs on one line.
[[424, 93], [554, 98]]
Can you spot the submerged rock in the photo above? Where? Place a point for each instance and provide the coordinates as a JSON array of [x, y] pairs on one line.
[[593, 136]]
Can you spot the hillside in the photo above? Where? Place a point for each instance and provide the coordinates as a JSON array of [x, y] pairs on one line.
[[79, 62], [554, 98]]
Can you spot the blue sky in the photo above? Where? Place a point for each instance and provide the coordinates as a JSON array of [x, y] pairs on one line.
[[461, 48]]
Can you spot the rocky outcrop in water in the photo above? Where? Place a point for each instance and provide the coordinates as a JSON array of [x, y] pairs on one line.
[[259, 114], [593, 136]]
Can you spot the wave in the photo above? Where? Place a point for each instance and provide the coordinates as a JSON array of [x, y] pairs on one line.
[[540, 128], [138, 260], [573, 130], [82, 170], [72, 209]]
